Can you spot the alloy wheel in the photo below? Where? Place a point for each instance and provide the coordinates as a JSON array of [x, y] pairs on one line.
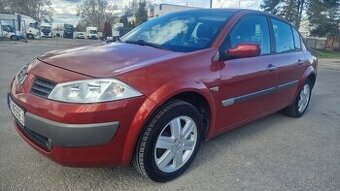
[[304, 98], [175, 144]]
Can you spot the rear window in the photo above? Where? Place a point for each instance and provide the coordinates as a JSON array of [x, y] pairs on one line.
[[283, 37], [297, 39]]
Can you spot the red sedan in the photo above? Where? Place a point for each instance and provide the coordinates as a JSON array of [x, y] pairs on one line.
[[151, 97]]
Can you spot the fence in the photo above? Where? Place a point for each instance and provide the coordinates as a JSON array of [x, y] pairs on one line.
[[329, 43]]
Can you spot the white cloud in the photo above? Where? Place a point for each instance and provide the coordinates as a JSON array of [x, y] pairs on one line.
[[244, 4], [65, 11]]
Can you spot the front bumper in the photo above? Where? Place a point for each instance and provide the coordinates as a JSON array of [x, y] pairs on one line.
[[78, 134], [70, 135]]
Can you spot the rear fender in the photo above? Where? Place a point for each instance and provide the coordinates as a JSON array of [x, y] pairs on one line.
[[309, 71]]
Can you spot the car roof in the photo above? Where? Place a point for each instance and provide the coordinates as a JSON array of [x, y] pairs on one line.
[[234, 11]]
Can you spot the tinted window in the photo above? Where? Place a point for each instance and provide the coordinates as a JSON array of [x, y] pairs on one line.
[[251, 29], [297, 40], [181, 31], [283, 36]]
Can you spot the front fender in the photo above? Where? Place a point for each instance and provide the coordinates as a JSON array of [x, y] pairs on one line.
[[153, 103]]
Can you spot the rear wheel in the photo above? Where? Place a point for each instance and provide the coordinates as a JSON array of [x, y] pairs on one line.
[[298, 108], [170, 142]]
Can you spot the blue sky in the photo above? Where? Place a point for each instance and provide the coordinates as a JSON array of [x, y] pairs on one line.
[[64, 11]]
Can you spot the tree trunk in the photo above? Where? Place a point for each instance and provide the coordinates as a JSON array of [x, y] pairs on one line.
[[301, 5]]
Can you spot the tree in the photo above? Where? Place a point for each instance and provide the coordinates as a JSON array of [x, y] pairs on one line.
[[96, 13], [81, 26], [271, 6], [142, 13], [291, 10], [126, 23], [3, 6], [37, 9], [324, 17], [107, 30]]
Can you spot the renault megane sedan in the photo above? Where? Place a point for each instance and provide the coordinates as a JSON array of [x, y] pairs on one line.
[[153, 96]]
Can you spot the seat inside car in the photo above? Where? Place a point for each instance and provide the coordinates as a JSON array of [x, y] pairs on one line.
[[204, 33]]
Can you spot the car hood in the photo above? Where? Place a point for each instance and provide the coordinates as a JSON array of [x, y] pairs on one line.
[[105, 60]]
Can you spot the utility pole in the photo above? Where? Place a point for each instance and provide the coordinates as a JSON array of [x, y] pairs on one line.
[[239, 4], [211, 3]]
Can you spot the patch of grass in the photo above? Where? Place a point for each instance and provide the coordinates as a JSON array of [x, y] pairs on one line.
[[326, 54]]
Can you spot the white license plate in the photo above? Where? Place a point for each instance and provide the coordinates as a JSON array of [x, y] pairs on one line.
[[17, 111]]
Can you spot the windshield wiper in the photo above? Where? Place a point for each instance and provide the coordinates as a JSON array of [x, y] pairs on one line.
[[144, 43]]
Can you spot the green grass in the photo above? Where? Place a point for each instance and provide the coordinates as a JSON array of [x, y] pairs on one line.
[[326, 54]]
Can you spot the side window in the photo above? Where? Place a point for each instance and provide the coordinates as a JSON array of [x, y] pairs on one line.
[[251, 29], [283, 36], [7, 28], [297, 39]]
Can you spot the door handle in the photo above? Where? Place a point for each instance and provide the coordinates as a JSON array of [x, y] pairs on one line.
[[300, 62], [271, 67]]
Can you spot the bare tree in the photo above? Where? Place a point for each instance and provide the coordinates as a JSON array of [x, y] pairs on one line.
[[38, 9], [96, 13]]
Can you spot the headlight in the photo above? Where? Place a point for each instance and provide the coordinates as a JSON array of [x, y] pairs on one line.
[[92, 91], [22, 74]]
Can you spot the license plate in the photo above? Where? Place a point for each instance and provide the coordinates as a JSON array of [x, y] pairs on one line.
[[17, 111]]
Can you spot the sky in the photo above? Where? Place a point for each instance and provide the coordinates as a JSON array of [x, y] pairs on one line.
[[65, 11]]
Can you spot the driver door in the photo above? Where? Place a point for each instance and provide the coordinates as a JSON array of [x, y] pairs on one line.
[[247, 84]]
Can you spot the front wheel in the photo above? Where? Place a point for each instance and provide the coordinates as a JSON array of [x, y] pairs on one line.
[[298, 108], [30, 36], [169, 142]]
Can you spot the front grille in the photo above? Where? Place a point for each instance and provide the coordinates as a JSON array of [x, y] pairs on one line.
[[42, 87]]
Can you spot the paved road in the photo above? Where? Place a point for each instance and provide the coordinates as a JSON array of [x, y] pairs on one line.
[[273, 153]]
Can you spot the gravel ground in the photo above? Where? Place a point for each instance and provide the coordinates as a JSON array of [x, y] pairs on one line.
[[273, 153]]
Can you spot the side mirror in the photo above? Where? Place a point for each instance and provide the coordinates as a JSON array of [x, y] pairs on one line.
[[244, 50]]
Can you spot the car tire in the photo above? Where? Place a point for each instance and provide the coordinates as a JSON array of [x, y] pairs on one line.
[[164, 162], [30, 36], [301, 102], [13, 37]]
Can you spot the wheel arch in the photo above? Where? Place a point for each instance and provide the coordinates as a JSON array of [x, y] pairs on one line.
[[200, 98], [309, 74], [312, 78]]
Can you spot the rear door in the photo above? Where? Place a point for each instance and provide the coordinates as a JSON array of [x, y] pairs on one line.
[[247, 83], [289, 59]]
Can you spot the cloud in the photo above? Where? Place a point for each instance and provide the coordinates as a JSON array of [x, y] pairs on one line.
[[244, 4], [65, 11]]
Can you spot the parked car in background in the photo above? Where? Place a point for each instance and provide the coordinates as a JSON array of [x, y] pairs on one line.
[[80, 35], [46, 30], [58, 30], [91, 32], [151, 97]]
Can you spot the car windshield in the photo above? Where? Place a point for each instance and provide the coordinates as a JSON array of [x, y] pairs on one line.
[[182, 31], [93, 31]]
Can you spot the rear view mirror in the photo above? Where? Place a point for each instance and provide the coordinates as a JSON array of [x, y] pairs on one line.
[[244, 50]]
